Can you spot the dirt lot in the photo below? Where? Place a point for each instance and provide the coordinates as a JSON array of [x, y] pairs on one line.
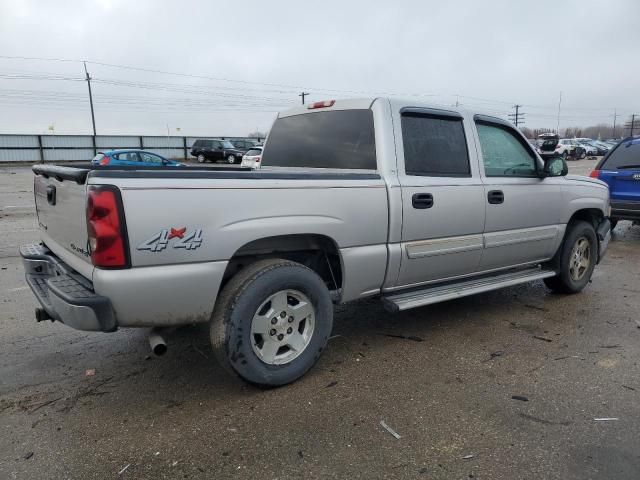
[[447, 387]]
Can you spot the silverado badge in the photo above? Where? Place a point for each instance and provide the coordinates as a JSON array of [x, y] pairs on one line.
[[187, 240]]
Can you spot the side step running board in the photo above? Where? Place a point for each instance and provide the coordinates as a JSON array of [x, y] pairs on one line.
[[426, 296]]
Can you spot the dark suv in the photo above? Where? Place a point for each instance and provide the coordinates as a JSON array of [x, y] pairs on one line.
[[216, 150]]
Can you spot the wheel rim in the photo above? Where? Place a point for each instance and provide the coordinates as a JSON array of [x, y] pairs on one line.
[[231, 159], [201, 158], [580, 259], [282, 327]]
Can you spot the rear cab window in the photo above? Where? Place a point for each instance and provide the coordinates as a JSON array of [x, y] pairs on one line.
[[331, 139], [625, 156], [253, 152]]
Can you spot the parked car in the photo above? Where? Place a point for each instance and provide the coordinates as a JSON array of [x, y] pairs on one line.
[[589, 146], [244, 144], [412, 212], [216, 151], [603, 148], [133, 158], [252, 158], [620, 169], [568, 147]]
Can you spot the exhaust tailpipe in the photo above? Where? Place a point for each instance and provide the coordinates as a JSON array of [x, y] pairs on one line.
[[156, 340]]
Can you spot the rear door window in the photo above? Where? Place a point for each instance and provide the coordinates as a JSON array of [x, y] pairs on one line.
[[626, 155], [434, 146], [334, 139], [253, 153]]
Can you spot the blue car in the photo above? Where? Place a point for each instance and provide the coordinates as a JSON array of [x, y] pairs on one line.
[[132, 158], [620, 169]]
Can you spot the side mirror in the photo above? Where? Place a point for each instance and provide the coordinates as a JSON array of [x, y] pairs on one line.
[[555, 167]]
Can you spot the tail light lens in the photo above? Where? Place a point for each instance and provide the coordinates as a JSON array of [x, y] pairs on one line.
[[558, 146], [595, 174], [258, 159], [105, 160], [325, 104], [106, 228]]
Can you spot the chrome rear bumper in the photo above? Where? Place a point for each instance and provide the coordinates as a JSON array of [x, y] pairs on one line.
[[64, 294]]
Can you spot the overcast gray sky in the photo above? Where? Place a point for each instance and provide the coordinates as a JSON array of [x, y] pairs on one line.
[[258, 56]]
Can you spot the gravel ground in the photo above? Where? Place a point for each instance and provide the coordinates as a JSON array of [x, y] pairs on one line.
[[504, 385]]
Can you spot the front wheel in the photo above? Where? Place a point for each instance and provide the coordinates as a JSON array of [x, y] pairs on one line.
[[201, 158], [271, 322], [583, 155], [231, 159], [577, 259]]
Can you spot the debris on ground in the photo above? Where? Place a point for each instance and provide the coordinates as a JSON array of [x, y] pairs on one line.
[[499, 353], [544, 339], [300, 454], [27, 455], [522, 398], [608, 346], [124, 469], [331, 384], [390, 430], [543, 421], [334, 336], [606, 419], [90, 372], [404, 337], [467, 457], [628, 387]]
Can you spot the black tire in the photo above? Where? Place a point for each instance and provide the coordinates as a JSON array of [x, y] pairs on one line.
[[239, 301], [564, 282], [231, 159], [583, 155]]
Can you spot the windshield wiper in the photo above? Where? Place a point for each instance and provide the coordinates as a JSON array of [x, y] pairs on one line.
[[628, 166]]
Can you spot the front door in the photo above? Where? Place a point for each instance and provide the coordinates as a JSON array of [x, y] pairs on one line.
[[522, 209], [442, 197]]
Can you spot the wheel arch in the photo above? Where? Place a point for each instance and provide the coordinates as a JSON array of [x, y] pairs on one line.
[[318, 252]]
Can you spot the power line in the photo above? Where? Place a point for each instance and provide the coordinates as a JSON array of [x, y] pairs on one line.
[[517, 118]]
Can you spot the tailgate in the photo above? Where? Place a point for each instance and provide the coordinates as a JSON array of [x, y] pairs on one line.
[[623, 184], [60, 196]]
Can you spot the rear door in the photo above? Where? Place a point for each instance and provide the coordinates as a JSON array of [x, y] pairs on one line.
[[442, 197], [522, 209]]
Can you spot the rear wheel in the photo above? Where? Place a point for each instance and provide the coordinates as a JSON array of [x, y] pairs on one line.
[[271, 322], [577, 259], [583, 155], [231, 159], [201, 158]]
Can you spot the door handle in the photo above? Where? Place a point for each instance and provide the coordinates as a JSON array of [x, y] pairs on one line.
[[51, 194], [422, 200], [495, 197]]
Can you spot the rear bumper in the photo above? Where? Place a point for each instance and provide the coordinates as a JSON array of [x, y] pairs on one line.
[[625, 210], [604, 236], [64, 294]]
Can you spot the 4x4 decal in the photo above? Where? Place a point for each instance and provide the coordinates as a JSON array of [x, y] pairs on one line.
[[187, 240]]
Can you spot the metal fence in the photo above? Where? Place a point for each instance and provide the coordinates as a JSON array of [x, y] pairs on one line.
[[56, 148]]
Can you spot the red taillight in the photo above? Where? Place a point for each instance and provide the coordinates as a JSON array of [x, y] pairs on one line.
[[558, 146], [258, 159], [325, 104], [105, 160], [105, 226], [595, 174]]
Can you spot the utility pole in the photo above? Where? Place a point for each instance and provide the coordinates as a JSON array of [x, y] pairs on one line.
[[518, 117], [303, 94], [559, 105], [93, 118], [457, 101], [615, 116]]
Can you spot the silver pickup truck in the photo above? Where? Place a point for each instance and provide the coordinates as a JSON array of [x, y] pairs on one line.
[[411, 203]]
